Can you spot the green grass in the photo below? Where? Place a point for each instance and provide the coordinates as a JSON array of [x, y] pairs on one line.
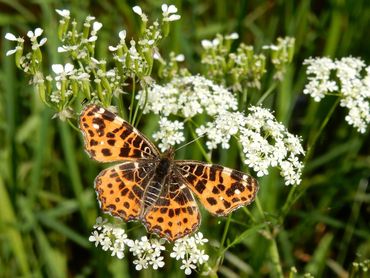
[[47, 201]]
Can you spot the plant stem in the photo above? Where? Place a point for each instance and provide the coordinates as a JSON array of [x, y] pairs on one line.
[[312, 142], [132, 98], [274, 254]]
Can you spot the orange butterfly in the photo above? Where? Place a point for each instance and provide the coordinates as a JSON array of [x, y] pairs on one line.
[[151, 186]]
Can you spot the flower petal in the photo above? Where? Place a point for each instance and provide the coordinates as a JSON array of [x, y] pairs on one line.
[[10, 37]]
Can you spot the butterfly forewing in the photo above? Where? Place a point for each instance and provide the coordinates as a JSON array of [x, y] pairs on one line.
[[220, 190], [109, 138]]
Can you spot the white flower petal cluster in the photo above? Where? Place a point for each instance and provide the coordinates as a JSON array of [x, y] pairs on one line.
[[188, 251], [170, 133], [344, 78], [33, 35], [169, 13], [265, 142], [109, 237], [75, 42], [186, 97], [148, 252], [318, 71]]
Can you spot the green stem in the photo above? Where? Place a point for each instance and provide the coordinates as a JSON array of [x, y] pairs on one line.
[[73, 126], [134, 121], [266, 94], [312, 142], [132, 98], [202, 150], [227, 225], [275, 258]]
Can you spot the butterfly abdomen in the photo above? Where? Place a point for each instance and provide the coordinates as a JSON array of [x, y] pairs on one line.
[[155, 186]]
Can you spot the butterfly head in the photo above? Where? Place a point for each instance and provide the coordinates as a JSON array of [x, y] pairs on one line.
[[169, 153]]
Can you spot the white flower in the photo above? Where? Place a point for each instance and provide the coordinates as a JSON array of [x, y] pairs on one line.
[[34, 35], [64, 13], [118, 250], [168, 12], [141, 263], [187, 97], [137, 10], [188, 266], [170, 133], [232, 36], [98, 238], [200, 239], [352, 88], [97, 26], [122, 35], [180, 58], [187, 250], [157, 262], [210, 44], [11, 37], [99, 223], [62, 71], [265, 142]]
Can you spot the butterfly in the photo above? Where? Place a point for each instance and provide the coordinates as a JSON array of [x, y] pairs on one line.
[[151, 186]]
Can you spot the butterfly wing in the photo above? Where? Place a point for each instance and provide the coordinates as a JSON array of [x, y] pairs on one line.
[[109, 138], [175, 214], [221, 190], [120, 188]]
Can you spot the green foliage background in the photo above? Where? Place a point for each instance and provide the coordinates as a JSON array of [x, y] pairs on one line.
[[47, 201]]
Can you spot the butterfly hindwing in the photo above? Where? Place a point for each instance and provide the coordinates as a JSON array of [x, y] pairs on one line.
[[120, 188], [175, 213], [109, 138], [220, 189]]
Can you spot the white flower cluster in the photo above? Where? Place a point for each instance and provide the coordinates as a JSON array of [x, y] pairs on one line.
[[32, 35], [344, 78], [186, 97], [265, 142], [148, 252], [187, 250], [281, 54], [170, 133], [78, 43]]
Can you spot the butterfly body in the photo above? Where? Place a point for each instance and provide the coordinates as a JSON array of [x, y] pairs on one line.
[[153, 187]]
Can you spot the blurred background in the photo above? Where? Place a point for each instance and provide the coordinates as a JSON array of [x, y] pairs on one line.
[[47, 201]]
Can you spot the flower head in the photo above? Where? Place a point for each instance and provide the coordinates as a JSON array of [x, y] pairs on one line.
[[352, 88], [169, 13]]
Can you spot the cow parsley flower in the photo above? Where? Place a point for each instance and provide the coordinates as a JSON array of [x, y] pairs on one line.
[[188, 250], [265, 142], [342, 77], [170, 133], [318, 71], [169, 13], [186, 97], [147, 253], [33, 35], [19, 47], [109, 237]]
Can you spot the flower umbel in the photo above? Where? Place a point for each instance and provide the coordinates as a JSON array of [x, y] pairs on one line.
[[148, 251], [351, 86], [264, 142]]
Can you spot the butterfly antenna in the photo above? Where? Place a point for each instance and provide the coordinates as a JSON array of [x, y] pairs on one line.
[[190, 142]]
